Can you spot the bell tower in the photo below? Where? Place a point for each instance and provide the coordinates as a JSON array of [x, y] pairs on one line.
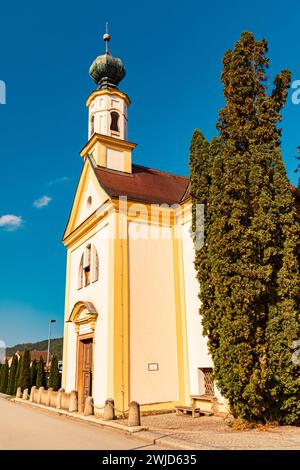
[[108, 114]]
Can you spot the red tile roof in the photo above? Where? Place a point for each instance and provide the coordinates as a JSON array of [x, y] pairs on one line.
[[143, 184], [35, 355]]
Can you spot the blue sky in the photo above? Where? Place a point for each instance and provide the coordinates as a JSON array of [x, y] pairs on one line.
[[172, 52]]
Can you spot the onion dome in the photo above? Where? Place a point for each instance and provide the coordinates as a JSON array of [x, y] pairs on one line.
[[107, 71]]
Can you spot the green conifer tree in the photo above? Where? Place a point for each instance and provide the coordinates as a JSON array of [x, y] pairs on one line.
[[54, 376], [25, 376], [243, 261], [33, 372], [12, 376], [1, 374], [4, 377], [18, 375], [40, 378]]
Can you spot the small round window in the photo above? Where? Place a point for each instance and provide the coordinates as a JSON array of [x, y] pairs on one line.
[[89, 202]]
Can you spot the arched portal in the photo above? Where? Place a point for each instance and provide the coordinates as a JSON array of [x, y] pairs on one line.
[[84, 316]]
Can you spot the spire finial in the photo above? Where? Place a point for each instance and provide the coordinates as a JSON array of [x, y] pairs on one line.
[[107, 71], [106, 38]]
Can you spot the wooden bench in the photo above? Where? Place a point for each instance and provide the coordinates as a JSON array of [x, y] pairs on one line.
[[205, 399], [180, 410]]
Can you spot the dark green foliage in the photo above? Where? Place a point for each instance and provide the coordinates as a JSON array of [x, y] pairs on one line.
[[40, 377], [200, 162], [25, 380], [54, 376], [4, 377], [12, 375], [18, 375], [248, 268], [283, 326], [33, 372]]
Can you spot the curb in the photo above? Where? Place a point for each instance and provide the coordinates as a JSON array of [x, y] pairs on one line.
[[78, 416], [166, 441]]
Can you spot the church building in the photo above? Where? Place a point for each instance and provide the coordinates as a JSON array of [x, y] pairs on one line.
[[132, 326]]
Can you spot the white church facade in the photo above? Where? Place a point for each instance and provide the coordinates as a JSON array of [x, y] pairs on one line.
[[132, 325]]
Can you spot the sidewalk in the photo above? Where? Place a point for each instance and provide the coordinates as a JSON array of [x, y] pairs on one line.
[[186, 433], [212, 433]]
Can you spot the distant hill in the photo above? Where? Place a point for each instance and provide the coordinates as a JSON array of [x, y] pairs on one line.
[[56, 347]]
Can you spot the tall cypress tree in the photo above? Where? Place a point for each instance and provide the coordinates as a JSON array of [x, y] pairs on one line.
[[245, 239], [18, 375], [200, 162], [40, 378], [54, 377], [12, 376], [1, 374], [4, 377], [33, 372], [25, 380]]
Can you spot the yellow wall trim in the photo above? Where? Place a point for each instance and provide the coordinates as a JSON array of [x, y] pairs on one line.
[[88, 225], [107, 141]]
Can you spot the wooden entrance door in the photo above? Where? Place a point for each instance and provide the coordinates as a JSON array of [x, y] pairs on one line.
[[85, 371]]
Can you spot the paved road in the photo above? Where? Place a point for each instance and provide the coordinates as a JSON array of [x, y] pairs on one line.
[[23, 427]]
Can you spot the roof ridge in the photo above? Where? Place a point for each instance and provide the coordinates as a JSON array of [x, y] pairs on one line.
[[160, 171]]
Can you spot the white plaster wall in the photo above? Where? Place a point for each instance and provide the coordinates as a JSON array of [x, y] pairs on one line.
[[71, 358], [152, 318], [97, 293], [100, 108], [197, 343]]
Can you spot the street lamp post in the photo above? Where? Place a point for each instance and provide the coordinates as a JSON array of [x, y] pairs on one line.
[[49, 341]]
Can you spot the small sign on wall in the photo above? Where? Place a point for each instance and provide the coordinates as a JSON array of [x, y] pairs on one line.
[[152, 366]]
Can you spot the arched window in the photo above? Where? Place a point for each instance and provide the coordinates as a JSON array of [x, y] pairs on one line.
[[80, 274], [95, 276], [92, 125], [114, 123], [87, 265]]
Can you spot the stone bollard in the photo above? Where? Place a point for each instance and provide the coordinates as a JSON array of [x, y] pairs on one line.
[[39, 398], [73, 401], [32, 392], [19, 393], [48, 399], [61, 391], [109, 410], [134, 417], [89, 406], [214, 406], [25, 394]]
